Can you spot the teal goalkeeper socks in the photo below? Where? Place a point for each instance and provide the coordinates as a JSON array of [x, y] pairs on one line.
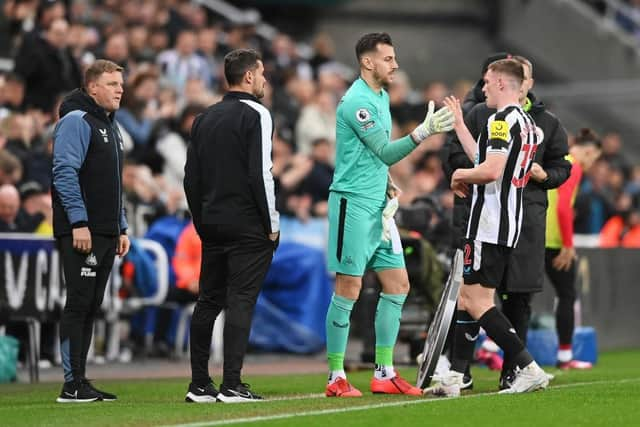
[[338, 330], [387, 326]]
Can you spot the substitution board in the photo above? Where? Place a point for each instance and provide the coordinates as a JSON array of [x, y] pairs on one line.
[[439, 328]]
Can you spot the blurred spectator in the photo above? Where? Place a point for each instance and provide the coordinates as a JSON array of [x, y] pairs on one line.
[[11, 94], [335, 77], [612, 153], [10, 168], [48, 67], [12, 218], [173, 148], [20, 133], [435, 91], [186, 263], [317, 181], [82, 39], [142, 198], [196, 92], [594, 204], [317, 120], [138, 36], [19, 16], [158, 40], [622, 229], [406, 110], [182, 63], [49, 11], [323, 52], [139, 110], [9, 207], [116, 49], [36, 204], [208, 49], [633, 185], [286, 61]]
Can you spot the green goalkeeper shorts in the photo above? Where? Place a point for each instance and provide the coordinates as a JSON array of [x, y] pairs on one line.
[[355, 238]]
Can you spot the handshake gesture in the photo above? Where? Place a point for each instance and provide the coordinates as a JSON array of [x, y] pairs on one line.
[[435, 122]]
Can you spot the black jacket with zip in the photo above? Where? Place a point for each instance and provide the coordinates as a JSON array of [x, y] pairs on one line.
[[524, 276], [228, 176], [87, 169]]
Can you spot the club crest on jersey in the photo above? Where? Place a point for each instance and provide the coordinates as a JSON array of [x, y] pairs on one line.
[[499, 130], [363, 115], [103, 133], [91, 260]]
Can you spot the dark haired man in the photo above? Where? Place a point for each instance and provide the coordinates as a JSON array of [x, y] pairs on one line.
[[230, 192], [88, 217], [362, 235]]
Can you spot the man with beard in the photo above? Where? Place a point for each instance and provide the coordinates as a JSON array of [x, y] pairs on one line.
[[362, 235], [525, 271], [230, 192]]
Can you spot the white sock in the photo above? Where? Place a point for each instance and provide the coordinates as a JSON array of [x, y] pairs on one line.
[[384, 372], [565, 355], [334, 375]]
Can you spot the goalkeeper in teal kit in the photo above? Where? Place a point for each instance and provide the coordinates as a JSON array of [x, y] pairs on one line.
[[362, 234]]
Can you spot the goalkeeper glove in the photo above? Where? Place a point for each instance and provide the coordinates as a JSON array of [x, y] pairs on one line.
[[440, 121], [387, 218]]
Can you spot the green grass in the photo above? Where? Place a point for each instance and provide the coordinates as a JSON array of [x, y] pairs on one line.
[[608, 395]]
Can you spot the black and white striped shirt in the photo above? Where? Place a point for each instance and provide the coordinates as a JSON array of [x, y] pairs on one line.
[[496, 207]]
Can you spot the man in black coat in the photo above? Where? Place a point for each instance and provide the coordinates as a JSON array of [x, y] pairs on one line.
[[525, 272], [47, 66], [231, 196]]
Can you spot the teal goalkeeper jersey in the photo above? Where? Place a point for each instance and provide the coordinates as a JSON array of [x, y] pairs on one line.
[[363, 149]]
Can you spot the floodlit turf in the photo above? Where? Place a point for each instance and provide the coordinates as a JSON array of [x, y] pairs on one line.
[[608, 395]]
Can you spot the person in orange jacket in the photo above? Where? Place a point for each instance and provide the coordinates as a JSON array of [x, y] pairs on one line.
[[186, 260], [622, 230]]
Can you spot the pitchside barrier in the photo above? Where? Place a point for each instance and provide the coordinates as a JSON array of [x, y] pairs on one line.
[[607, 296], [33, 291]]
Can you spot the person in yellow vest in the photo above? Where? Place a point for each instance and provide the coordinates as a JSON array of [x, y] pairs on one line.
[[560, 254]]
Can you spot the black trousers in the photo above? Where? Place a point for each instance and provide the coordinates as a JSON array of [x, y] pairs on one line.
[[235, 261], [564, 282], [85, 278]]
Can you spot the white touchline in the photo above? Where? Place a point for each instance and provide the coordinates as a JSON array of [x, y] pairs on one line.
[[365, 407]]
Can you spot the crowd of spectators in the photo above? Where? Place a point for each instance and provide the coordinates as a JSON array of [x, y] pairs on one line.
[[172, 53]]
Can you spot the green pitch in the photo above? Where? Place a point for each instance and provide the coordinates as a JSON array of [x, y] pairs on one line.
[[608, 395]]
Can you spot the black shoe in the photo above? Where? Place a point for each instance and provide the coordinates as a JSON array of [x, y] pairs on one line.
[[202, 393], [506, 380], [77, 392], [237, 394], [106, 397], [467, 382]]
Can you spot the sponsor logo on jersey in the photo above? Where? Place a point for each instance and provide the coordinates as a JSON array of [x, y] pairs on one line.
[[499, 130], [87, 272]]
